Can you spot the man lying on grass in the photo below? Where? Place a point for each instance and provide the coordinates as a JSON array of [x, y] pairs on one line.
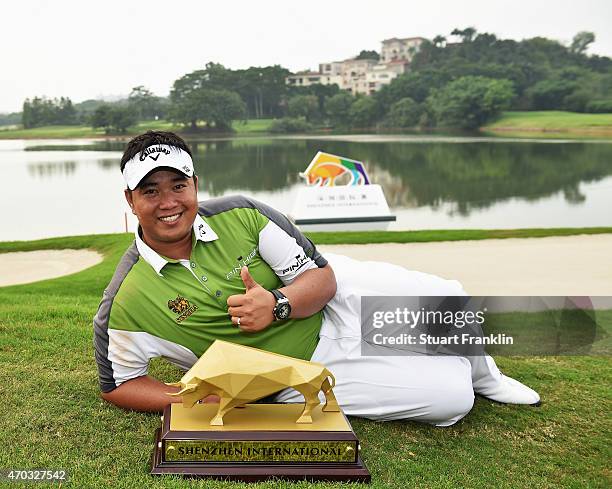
[[235, 269]]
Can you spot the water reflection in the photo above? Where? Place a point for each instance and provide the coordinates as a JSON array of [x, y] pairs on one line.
[[429, 183], [46, 170], [470, 175], [473, 175]]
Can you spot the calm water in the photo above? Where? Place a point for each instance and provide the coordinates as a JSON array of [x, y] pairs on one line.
[[57, 188]]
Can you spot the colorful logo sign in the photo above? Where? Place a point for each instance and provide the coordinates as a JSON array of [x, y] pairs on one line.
[[325, 168]]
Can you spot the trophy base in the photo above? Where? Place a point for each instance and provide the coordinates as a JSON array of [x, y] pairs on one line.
[[257, 443], [355, 472]]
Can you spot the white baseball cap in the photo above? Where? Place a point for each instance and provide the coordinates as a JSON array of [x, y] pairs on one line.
[[156, 156]]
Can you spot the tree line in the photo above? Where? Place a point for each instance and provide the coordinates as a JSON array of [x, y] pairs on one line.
[[468, 83], [464, 84]]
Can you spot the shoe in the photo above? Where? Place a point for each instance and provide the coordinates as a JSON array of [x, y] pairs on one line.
[[510, 391]]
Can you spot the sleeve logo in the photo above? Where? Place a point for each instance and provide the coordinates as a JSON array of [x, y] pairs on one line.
[[300, 261]]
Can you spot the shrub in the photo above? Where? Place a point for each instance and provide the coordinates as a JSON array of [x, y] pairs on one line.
[[599, 107], [289, 125], [363, 113], [404, 113], [470, 101]]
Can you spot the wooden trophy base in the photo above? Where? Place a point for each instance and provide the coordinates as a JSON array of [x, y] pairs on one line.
[[257, 442]]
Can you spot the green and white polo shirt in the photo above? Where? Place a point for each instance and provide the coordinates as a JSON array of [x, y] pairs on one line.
[[159, 307]]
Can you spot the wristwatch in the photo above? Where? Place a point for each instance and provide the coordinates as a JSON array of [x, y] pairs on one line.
[[282, 309]]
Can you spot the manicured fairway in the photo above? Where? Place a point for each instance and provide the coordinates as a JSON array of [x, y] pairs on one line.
[[69, 132], [552, 123]]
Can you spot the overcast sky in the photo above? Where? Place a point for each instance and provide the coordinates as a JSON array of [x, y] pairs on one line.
[[84, 49]]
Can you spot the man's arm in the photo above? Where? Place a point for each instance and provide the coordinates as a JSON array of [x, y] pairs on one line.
[[145, 394], [142, 394], [307, 294], [310, 291]]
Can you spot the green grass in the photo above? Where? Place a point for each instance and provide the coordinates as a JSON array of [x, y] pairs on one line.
[[552, 123], [52, 132], [54, 417], [69, 132], [536, 124]]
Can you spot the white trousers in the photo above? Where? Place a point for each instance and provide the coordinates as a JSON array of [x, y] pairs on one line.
[[432, 389]]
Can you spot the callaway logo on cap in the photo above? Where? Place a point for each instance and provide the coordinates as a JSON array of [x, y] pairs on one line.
[[159, 155]]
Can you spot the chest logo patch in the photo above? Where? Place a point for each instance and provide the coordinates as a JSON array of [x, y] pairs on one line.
[[241, 261], [182, 307]]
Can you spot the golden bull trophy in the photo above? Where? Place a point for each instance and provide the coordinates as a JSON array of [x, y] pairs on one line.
[[242, 440]]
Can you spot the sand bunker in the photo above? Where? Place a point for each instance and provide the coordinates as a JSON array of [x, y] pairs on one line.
[[570, 265], [24, 267]]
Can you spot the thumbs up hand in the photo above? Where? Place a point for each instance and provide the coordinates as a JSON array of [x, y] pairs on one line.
[[251, 311], [247, 280]]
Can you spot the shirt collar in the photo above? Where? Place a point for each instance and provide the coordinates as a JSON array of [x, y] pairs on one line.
[[202, 231]]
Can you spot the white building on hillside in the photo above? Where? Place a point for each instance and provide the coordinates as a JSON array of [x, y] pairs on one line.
[[395, 49], [307, 78], [382, 74], [363, 76]]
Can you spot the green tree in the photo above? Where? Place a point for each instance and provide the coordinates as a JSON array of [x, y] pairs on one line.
[[470, 102], [365, 54], [306, 106], [363, 112], [466, 34], [289, 125], [262, 89], [145, 104], [114, 118], [122, 117], [64, 112], [36, 112], [188, 95], [439, 41], [417, 85], [223, 107], [581, 41], [550, 94], [525, 63], [212, 106], [404, 113], [321, 92], [11, 119], [43, 111], [101, 117], [338, 108]]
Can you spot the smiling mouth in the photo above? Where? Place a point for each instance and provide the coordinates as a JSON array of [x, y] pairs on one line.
[[171, 218]]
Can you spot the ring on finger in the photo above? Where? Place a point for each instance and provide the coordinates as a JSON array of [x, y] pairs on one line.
[[238, 321]]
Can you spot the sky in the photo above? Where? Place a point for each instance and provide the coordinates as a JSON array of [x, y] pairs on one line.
[[84, 49]]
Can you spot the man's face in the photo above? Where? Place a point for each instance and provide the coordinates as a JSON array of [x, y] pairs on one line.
[[166, 204]]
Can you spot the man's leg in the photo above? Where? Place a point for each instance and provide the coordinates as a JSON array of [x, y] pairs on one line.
[[489, 382], [356, 279], [436, 390]]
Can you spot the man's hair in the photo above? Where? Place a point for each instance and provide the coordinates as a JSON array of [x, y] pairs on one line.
[[149, 138]]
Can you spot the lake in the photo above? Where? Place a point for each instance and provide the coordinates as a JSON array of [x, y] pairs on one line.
[[69, 187]]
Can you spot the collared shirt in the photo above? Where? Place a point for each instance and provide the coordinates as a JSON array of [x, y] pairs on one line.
[[201, 232], [156, 306]]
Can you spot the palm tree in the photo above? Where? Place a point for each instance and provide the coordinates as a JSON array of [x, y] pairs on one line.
[[466, 34], [439, 41]]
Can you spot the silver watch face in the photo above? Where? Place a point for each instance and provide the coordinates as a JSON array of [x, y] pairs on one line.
[[282, 311]]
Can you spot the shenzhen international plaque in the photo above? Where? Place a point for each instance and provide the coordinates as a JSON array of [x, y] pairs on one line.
[[241, 440]]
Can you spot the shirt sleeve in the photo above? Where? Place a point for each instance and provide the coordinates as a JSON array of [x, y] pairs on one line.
[[286, 250], [124, 355], [121, 355]]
